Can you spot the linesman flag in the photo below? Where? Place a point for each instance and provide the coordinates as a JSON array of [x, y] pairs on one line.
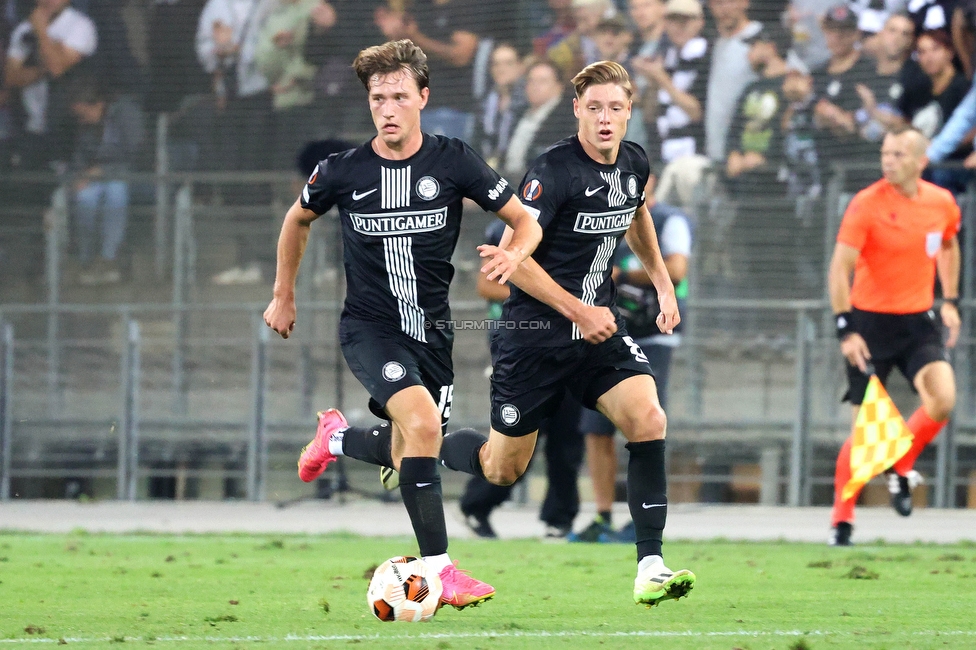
[[880, 437]]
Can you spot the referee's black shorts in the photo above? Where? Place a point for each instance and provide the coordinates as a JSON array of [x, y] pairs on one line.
[[386, 362], [527, 383], [904, 341]]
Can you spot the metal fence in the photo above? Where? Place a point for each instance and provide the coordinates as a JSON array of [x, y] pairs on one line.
[[192, 396]]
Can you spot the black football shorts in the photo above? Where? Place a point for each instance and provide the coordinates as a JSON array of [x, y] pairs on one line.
[[904, 341], [527, 383], [386, 362]]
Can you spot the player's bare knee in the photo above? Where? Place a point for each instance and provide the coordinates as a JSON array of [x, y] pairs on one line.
[[941, 405], [503, 473], [418, 426], [649, 423]]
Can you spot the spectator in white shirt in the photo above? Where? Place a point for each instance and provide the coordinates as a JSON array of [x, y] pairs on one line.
[[44, 51]]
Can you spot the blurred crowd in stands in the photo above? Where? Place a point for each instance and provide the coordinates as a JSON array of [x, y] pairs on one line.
[[764, 94]]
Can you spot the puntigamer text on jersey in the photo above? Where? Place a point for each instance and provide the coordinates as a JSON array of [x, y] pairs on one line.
[[401, 223], [604, 222]]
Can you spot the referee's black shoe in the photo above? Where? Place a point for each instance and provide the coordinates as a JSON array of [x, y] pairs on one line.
[[901, 488], [841, 535]]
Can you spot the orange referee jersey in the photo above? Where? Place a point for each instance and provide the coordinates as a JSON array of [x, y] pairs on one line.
[[898, 239]]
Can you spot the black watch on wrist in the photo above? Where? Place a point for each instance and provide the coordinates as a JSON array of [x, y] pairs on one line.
[[952, 301]]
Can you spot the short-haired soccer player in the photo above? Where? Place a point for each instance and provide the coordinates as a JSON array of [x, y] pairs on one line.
[[588, 191], [895, 236], [399, 199]]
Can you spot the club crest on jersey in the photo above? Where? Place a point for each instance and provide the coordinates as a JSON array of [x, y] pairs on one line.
[[394, 371], [428, 188], [632, 187], [398, 223], [532, 191], [510, 414], [602, 223]]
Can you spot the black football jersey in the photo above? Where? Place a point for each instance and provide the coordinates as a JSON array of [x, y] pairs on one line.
[[584, 207], [400, 224]]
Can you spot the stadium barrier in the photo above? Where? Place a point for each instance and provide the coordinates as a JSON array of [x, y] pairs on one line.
[[776, 432]]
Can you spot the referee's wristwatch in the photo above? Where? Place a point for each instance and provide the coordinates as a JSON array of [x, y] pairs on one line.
[[845, 324], [952, 301]]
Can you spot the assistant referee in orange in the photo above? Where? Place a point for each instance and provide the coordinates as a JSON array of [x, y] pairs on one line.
[[895, 236]]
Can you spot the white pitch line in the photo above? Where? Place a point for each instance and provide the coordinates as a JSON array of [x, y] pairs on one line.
[[471, 635]]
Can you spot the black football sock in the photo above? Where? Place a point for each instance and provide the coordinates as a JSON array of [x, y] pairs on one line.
[[461, 449], [647, 494], [369, 444], [420, 487]]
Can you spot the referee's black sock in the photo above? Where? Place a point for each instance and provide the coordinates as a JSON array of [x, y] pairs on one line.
[[461, 449], [369, 444], [647, 494], [420, 487]]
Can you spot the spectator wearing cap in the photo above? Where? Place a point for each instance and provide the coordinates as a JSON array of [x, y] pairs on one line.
[[835, 85], [729, 72], [578, 50], [678, 78], [755, 142], [929, 107], [896, 76]]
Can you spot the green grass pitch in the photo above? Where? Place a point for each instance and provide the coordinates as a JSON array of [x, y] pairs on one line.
[[229, 591]]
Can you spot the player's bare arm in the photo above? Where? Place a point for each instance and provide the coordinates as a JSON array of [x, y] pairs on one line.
[[595, 323], [280, 314], [526, 233], [643, 241], [852, 346], [947, 264]]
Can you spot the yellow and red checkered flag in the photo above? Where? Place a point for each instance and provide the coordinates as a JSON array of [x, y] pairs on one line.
[[880, 437]]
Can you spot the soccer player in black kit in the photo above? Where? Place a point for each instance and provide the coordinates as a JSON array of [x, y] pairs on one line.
[[399, 199], [559, 327]]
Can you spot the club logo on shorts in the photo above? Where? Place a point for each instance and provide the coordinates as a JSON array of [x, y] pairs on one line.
[[428, 188], [532, 191], [510, 414], [394, 371], [632, 187]]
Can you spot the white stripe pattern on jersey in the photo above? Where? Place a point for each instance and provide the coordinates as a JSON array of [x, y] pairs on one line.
[[594, 278], [398, 252], [394, 188], [615, 195]]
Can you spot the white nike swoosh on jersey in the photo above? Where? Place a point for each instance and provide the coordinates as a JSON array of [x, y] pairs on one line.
[[423, 484], [646, 506], [356, 195], [590, 192]]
